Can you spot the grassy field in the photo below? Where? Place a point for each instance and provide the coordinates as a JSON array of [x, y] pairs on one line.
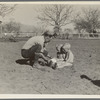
[[23, 79]]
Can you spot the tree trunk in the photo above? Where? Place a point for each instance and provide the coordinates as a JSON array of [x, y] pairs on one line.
[[57, 29]]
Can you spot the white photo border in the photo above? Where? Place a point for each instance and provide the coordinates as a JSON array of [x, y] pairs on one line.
[[49, 97]]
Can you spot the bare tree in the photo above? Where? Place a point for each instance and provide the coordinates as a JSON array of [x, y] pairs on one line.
[[89, 20], [6, 9], [12, 26], [56, 15]]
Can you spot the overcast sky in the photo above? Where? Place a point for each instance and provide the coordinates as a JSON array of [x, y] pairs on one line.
[[27, 13], [24, 13]]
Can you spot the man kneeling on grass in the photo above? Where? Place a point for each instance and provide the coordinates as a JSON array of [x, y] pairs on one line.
[[34, 48]]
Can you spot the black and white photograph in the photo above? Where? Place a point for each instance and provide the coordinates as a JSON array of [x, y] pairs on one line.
[[50, 48]]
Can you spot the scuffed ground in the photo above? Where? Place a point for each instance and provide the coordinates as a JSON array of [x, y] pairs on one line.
[[23, 79]]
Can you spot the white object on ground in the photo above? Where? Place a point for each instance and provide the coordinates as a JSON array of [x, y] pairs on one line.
[[54, 60], [61, 63]]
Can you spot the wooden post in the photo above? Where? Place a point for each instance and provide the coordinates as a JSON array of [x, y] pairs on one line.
[[1, 24], [0, 28]]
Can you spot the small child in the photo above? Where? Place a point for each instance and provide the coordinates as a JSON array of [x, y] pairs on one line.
[[64, 58], [64, 52]]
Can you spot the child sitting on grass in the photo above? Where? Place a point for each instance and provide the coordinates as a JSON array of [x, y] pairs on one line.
[[65, 54]]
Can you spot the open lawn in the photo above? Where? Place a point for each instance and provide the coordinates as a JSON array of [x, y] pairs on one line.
[[23, 79]]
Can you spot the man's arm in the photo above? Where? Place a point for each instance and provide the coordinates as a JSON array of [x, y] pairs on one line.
[[45, 53], [41, 55]]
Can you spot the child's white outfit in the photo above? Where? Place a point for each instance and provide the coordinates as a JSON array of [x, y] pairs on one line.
[[69, 62]]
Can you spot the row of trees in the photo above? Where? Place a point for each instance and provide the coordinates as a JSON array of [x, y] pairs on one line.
[[58, 16], [4, 11], [89, 20], [61, 15]]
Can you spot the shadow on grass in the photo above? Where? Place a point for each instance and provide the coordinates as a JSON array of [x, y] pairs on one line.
[[95, 82], [23, 61], [40, 67]]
